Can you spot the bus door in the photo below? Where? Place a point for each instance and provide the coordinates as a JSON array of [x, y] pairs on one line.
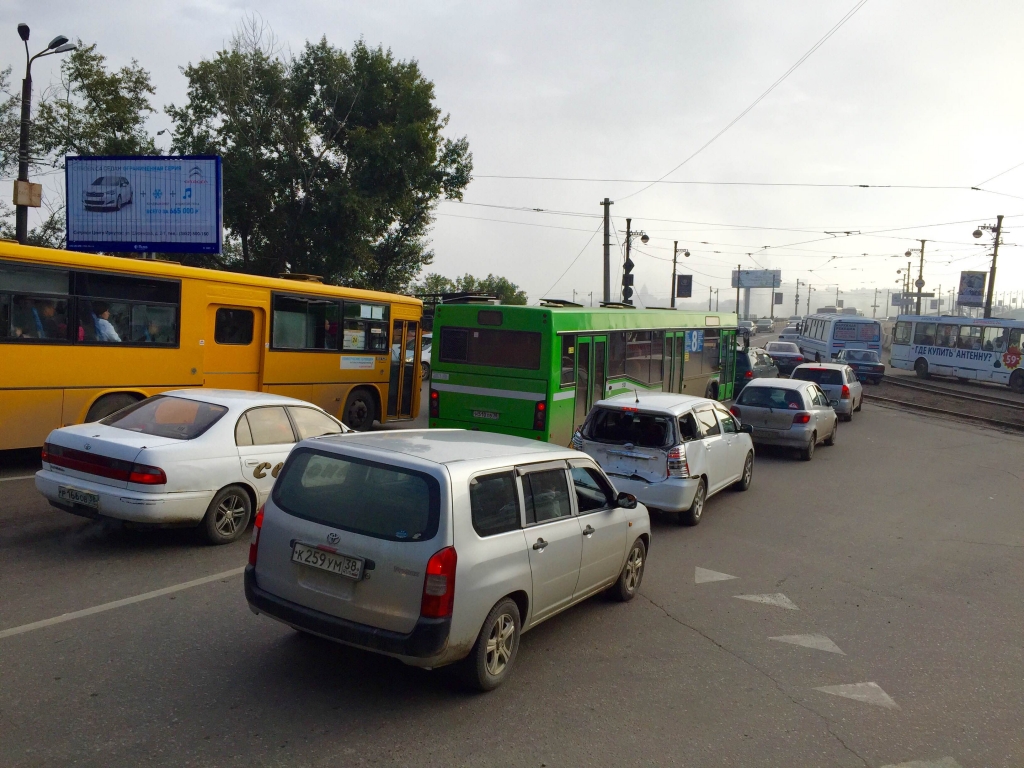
[[727, 360], [674, 358], [233, 347], [591, 374], [405, 362]]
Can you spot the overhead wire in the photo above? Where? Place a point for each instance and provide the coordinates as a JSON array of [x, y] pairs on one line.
[[1001, 173]]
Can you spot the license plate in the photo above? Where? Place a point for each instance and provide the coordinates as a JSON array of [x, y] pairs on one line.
[[343, 565], [764, 433], [76, 496], [486, 415]]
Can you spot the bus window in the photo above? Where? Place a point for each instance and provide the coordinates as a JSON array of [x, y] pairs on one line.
[[901, 335], [657, 357], [33, 303], [616, 354], [301, 323], [945, 336], [995, 340], [970, 337], [1015, 334], [925, 334], [366, 327], [119, 309], [712, 362], [233, 326], [490, 347], [568, 376], [638, 355]]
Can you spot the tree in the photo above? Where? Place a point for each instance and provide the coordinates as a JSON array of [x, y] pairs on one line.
[[10, 123], [506, 291], [333, 160]]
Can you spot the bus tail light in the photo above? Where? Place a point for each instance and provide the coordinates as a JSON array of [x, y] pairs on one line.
[[439, 584], [143, 474], [845, 394], [254, 542], [540, 415], [677, 466], [435, 406], [801, 418]]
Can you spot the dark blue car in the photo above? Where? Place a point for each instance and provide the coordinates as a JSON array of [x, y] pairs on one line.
[[865, 363]]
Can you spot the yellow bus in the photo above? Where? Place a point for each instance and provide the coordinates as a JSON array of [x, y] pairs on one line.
[[83, 335]]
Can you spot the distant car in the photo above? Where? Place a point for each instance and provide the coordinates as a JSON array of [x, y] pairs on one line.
[[865, 363], [765, 325], [753, 363], [670, 451], [838, 381], [785, 354], [787, 412], [789, 333], [205, 457], [440, 546], [747, 328], [794, 319], [113, 192]]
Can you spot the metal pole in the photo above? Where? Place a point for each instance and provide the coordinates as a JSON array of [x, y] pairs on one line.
[[809, 289], [920, 279], [739, 268], [992, 272], [675, 248], [796, 301], [629, 236], [709, 298], [716, 299], [21, 214], [886, 315], [874, 305], [607, 252]]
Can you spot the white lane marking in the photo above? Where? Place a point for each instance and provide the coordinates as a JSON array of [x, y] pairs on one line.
[[17, 477], [868, 693], [942, 762], [703, 576], [817, 642], [777, 599], [117, 603]]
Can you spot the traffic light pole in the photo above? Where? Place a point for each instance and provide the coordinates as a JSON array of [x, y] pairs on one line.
[[920, 280], [627, 267], [992, 271], [675, 250], [607, 251]]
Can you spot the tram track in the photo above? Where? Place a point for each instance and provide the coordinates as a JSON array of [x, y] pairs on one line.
[[950, 403], [956, 393]]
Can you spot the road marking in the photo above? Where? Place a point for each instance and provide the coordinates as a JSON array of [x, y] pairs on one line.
[[817, 642], [868, 693], [17, 477], [777, 599], [942, 762], [117, 603], [703, 575]]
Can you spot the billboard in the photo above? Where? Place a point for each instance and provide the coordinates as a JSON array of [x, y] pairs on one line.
[[684, 286], [756, 278], [972, 289], [778, 297], [897, 300], [167, 204]]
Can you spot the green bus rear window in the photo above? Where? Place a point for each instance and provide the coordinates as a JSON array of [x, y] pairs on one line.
[[491, 347]]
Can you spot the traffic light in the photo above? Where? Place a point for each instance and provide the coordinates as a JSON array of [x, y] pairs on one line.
[[627, 280]]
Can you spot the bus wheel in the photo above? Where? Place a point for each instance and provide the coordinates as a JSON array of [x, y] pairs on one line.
[[921, 368], [109, 404], [360, 411], [1017, 381], [711, 393]]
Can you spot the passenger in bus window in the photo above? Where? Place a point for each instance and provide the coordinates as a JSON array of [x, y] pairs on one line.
[[50, 325], [104, 328], [995, 340]]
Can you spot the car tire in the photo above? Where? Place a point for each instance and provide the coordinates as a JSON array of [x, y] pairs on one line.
[[860, 403], [846, 416], [693, 515], [490, 662], [808, 453], [1017, 381], [228, 515], [425, 368], [110, 404], [632, 574], [360, 411], [831, 439], [876, 382], [748, 474], [921, 368]]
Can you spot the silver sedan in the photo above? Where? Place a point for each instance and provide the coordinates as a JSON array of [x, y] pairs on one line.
[[787, 412]]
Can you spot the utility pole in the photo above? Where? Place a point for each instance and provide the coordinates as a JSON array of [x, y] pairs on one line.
[[709, 297], [591, 298], [837, 297], [739, 270], [809, 289], [920, 279], [992, 271], [938, 304], [607, 251], [675, 250], [874, 305], [886, 315], [628, 264], [796, 301], [716, 299]]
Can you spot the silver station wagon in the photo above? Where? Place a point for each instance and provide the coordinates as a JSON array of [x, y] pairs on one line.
[[440, 546]]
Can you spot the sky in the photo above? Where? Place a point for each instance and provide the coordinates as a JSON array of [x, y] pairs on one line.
[[921, 93]]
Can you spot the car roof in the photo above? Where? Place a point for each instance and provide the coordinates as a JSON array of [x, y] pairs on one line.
[[827, 366], [655, 401], [235, 398], [778, 383], [443, 446]]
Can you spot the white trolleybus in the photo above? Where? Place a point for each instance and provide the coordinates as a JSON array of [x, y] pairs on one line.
[[823, 336], [965, 347]]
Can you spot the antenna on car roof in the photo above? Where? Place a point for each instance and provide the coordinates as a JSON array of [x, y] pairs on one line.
[[635, 395]]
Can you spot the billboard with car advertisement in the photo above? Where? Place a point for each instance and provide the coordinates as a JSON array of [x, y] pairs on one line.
[[168, 204], [972, 289]]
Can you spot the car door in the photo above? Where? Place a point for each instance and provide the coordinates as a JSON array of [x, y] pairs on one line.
[[604, 528], [553, 535], [716, 448], [824, 414], [264, 436], [856, 388], [735, 442]]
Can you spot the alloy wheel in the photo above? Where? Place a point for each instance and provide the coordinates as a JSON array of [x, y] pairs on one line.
[[500, 644], [634, 567], [748, 470], [698, 502], [230, 515]]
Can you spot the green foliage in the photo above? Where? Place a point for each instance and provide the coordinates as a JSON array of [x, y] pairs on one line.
[[10, 124], [506, 291]]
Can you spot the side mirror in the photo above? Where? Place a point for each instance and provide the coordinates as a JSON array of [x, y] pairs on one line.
[[747, 429], [626, 500]]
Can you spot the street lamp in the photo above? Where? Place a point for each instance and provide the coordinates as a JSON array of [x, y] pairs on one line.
[[23, 197]]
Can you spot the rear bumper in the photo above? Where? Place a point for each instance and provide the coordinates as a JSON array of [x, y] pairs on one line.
[[792, 438], [672, 495], [844, 407], [427, 640]]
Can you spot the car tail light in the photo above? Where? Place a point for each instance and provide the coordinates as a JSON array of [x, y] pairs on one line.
[[540, 414], [439, 584], [254, 542], [748, 375], [677, 466], [799, 358], [435, 405], [801, 418], [735, 411], [143, 474], [845, 394], [577, 440]]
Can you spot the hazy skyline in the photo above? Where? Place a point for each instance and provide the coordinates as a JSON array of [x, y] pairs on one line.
[[911, 93]]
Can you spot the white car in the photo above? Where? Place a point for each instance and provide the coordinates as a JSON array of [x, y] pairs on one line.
[[670, 451], [425, 356], [204, 457], [789, 333]]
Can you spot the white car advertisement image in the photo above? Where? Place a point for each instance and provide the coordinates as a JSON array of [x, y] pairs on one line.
[[170, 204]]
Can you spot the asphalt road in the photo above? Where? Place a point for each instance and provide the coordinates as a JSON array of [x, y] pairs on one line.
[[901, 547]]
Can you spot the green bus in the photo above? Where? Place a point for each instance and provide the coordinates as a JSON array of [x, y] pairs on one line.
[[536, 371]]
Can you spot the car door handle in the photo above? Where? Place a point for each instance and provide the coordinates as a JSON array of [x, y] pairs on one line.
[[588, 530], [251, 462], [540, 544]]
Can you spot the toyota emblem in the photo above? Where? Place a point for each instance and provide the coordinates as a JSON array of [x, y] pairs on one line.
[[88, 447], [333, 538]]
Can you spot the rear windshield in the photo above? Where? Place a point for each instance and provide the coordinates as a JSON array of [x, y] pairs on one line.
[[378, 500], [824, 376], [861, 356], [647, 430], [783, 348], [165, 416], [770, 397], [491, 347]]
